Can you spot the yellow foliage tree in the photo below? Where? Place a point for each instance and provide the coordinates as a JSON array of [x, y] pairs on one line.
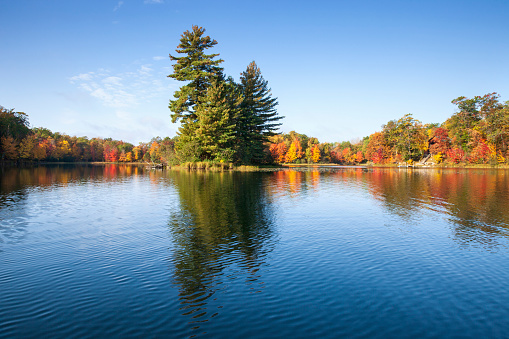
[[315, 155], [26, 147], [65, 148], [137, 153], [129, 157], [291, 155]]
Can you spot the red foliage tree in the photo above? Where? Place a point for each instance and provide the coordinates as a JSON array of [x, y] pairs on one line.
[[440, 142], [455, 155]]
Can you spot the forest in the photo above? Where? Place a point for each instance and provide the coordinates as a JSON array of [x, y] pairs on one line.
[[222, 121], [478, 133]]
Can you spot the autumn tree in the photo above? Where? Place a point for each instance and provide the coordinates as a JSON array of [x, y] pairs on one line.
[[26, 147], [278, 152], [440, 142], [294, 152], [406, 137], [315, 154], [154, 151], [14, 124], [14, 127], [9, 150], [376, 151], [461, 124]]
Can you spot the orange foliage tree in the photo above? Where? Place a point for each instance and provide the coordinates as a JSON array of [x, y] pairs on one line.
[[315, 154]]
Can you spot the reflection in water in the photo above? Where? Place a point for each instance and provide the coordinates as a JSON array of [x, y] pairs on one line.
[[476, 201], [15, 179], [294, 183], [223, 231], [17, 183], [86, 251]]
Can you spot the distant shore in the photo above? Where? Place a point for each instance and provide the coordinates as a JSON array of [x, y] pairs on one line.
[[262, 168]]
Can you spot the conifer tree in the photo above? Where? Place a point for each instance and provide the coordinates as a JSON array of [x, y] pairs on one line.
[[216, 114], [196, 67], [258, 118], [199, 70]]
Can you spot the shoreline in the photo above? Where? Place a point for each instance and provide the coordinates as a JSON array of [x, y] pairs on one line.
[[264, 168]]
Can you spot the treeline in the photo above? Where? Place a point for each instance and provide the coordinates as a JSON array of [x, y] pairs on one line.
[[478, 133], [18, 142]]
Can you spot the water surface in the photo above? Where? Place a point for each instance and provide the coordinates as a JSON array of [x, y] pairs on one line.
[[102, 251]]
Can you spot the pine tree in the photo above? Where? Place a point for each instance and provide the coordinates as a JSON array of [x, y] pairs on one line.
[[258, 118], [196, 67], [216, 114]]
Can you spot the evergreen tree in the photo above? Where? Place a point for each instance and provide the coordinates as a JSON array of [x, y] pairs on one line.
[[216, 114], [196, 67], [258, 118], [200, 71]]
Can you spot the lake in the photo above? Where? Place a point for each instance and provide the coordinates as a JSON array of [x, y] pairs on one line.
[[123, 251]]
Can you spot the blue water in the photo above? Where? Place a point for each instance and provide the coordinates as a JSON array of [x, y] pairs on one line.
[[118, 251]]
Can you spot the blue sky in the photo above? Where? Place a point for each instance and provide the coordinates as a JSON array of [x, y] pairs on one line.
[[340, 69]]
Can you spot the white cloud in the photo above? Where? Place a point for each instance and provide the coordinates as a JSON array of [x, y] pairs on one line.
[[153, 1], [112, 81], [130, 105], [127, 89], [145, 70], [82, 77], [158, 58], [119, 4]]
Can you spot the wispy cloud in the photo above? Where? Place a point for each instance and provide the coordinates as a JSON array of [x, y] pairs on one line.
[[159, 58], [129, 105], [153, 1], [125, 89], [119, 4], [82, 77]]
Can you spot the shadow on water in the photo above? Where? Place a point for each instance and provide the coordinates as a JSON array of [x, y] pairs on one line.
[[223, 231]]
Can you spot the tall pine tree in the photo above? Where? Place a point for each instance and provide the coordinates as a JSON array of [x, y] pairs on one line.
[[258, 118], [199, 70], [196, 67]]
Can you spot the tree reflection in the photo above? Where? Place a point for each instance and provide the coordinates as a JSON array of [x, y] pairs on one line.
[[16, 185], [223, 230], [476, 201]]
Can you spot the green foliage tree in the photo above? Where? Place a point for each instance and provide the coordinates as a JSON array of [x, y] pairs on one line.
[[13, 124], [462, 123], [14, 127], [406, 137]]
